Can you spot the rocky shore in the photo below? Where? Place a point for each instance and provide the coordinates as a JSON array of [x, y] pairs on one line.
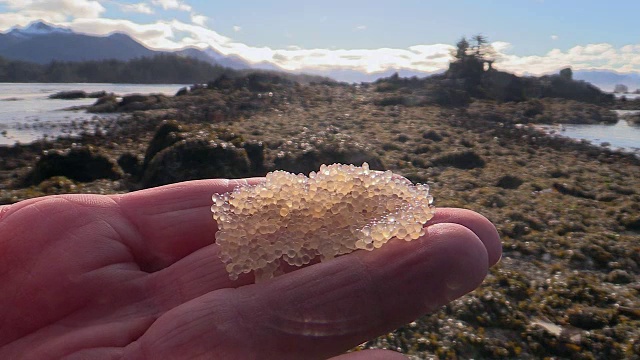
[[568, 285]]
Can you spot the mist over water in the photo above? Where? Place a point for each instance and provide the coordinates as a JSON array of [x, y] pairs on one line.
[[27, 114]]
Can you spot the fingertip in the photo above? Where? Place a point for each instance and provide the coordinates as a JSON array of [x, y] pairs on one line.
[[463, 255], [480, 225]]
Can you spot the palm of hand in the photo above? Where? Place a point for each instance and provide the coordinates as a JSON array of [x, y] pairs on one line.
[[137, 276]]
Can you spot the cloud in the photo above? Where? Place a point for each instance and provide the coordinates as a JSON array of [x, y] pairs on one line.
[[554, 37], [172, 4], [198, 19], [84, 16], [141, 8], [23, 12], [588, 57], [361, 27]]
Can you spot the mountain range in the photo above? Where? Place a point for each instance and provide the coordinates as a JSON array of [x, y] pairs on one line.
[[42, 43]]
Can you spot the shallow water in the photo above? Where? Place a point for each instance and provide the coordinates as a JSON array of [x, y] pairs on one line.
[[620, 136], [27, 114]]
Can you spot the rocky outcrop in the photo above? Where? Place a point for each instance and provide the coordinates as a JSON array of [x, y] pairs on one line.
[[83, 164], [192, 159]]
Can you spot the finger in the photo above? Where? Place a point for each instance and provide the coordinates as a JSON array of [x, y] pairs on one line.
[[328, 308], [477, 223], [3, 210], [371, 355], [175, 220], [203, 271]]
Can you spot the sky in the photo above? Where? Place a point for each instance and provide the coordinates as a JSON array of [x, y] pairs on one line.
[[529, 36]]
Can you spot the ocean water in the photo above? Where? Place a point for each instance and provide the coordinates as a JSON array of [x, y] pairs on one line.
[[619, 136], [27, 114]]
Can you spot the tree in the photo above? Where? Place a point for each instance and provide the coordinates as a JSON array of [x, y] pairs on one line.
[[480, 45], [462, 49], [566, 73], [621, 88]]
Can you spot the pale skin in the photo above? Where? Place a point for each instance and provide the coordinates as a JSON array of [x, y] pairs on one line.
[[137, 276]]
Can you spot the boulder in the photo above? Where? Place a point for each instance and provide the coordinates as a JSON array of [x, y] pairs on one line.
[[130, 164], [167, 134], [192, 159], [461, 160], [136, 102], [82, 164], [311, 160], [104, 104], [69, 95]]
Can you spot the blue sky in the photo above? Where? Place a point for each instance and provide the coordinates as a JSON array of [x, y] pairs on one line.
[[534, 36]]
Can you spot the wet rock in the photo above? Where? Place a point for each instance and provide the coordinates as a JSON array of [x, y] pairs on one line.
[[566, 189], [130, 164], [509, 182], [432, 135], [105, 104], [193, 159], [183, 91], [255, 153], [80, 164], [619, 276], [69, 95], [169, 132], [97, 94], [461, 160], [590, 318], [311, 160], [136, 102]]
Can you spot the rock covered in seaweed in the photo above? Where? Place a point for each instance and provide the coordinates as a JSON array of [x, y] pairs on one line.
[[294, 218]]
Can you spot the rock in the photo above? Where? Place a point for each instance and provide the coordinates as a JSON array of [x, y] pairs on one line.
[[432, 135], [136, 102], [255, 153], [130, 164], [80, 164], [509, 182], [619, 276], [308, 161], [183, 91], [461, 160], [104, 104], [97, 94], [633, 119], [590, 318], [167, 134], [69, 95], [193, 159]]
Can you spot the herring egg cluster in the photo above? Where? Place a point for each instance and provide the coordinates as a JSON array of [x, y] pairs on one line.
[[295, 219]]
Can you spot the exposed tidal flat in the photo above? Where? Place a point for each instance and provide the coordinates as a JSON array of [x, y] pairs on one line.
[[568, 212]]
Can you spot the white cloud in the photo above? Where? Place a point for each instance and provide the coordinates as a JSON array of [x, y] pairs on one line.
[[141, 8], [54, 11], [84, 16], [591, 56], [361, 27], [199, 19], [427, 58], [554, 37], [172, 4]]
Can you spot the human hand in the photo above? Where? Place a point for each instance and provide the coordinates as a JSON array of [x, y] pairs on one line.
[[137, 276]]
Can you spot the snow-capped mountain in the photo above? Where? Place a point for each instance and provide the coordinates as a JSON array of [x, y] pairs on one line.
[[38, 28]]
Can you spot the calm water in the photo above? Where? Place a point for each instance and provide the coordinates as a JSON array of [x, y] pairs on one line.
[[26, 113], [621, 135]]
